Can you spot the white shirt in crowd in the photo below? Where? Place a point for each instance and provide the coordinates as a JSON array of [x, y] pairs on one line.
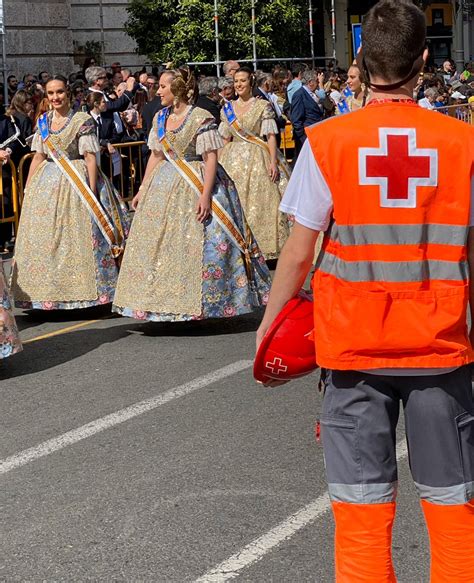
[[425, 103]]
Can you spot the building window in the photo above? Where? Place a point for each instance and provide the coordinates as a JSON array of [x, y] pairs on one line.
[[438, 16]]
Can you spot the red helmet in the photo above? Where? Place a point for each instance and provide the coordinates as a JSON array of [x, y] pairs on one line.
[[287, 349]]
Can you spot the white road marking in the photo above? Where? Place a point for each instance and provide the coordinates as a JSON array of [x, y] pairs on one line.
[[52, 445], [258, 548]]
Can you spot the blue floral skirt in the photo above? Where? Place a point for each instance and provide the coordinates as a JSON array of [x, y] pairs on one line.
[[9, 338], [177, 269]]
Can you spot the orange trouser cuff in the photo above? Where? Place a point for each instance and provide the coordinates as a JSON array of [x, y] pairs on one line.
[[363, 542], [451, 530]]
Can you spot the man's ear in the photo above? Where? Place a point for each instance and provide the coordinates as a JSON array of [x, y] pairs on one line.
[[426, 54]]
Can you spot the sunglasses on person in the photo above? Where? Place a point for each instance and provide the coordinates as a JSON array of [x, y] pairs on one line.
[[102, 77]]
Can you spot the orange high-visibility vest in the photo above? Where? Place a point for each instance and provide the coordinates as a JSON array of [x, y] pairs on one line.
[[391, 286]]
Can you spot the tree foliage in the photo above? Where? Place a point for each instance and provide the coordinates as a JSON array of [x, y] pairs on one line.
[[183, 30]]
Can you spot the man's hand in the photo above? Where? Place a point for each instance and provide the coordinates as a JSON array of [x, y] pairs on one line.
[[4, 156], [130, 83]]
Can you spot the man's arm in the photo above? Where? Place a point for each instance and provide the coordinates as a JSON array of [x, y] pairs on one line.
[[121, 103], [293, 266]]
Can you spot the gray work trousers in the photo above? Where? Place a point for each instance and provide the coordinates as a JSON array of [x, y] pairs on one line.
[[358, 428]]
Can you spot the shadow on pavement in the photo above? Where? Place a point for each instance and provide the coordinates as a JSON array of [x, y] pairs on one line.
[[54, 351], [211, 327], [31, 318], [50, 352]]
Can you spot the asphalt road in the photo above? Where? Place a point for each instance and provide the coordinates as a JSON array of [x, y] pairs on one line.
[[210, 477]]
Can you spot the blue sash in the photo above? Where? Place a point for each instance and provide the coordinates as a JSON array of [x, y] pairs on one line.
[[44, 127], [343, 107], [229, 112], [161, 122]]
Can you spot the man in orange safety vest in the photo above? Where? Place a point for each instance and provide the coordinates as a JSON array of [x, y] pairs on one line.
[[391, 186]]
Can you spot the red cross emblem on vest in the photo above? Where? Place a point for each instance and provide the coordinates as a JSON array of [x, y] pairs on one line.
[[398, 167], [276, 366]]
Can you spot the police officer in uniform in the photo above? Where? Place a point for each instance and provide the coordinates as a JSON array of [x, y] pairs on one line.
[[391, 288]]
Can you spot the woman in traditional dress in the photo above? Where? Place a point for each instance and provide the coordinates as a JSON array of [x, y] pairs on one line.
[[190, 254], [73, 224], [256, 166], [9, 338], [357, 87]]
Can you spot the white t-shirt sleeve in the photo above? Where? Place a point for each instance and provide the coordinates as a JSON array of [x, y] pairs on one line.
[[307, 195]]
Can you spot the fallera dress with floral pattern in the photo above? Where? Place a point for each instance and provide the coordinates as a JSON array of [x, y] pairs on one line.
[[174, 267], [62, 260], [9, 338], [247, 165]]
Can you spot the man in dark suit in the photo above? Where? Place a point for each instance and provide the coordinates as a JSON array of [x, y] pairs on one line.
[[152, 107], [209, 97], [98, 82], [306, 108]]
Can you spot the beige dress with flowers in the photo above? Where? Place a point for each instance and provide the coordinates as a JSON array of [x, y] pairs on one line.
[[247, 164], [9, 338], [174, 267]]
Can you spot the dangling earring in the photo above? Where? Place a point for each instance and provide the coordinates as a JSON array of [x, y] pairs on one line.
[[176, 101]]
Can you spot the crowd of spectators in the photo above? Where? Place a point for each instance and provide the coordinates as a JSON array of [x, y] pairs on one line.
[[123, 103]]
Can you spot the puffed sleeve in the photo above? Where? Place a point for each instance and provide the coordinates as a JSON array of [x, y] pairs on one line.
[[269, 125], [208, 138], [37, 144], [224, 128], [153, 141], [88, 141]]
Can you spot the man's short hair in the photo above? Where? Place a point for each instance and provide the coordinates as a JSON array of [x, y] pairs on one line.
[[394, 33], [308, 76], [93, 73], [208, 86], [432, 92], [230, 65], [263, 78], [298, 68], [225, 82]]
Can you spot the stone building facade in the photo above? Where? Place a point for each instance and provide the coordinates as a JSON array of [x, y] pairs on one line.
[[53, 34]]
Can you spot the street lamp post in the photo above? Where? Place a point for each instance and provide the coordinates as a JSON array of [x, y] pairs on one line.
[[216, 31], [102, 35], [311, 30], [4, 53], [333, 29], [254, 38]]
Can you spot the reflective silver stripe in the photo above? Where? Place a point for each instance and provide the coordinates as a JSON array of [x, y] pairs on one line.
[[449, 495], [363, 493], [399, 234], [392, 271]]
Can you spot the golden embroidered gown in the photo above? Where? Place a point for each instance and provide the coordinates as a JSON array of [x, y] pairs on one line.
[[9, 338], [175, 268], [247, 164], [62, 261]]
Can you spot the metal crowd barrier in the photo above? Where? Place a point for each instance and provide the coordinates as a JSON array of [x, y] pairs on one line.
[[131, 166], [10, 212], [21, 176], [462, 112], [287, 141]]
